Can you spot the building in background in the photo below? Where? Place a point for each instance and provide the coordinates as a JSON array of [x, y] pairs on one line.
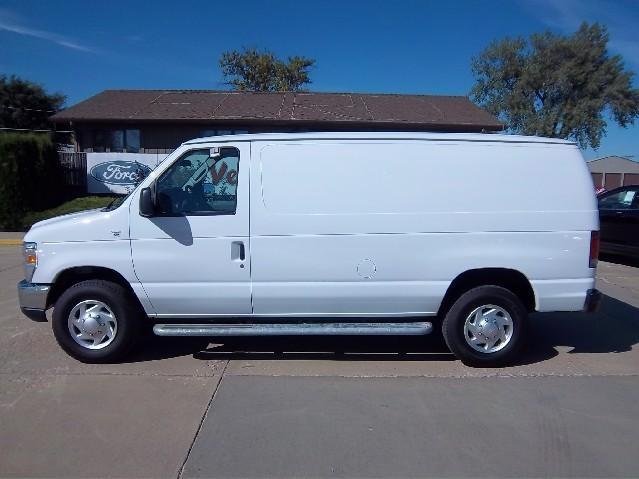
[[116, 131], [158, 121], [610, 172]]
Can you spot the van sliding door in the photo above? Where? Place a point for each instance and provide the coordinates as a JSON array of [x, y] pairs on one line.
[[331, 231]]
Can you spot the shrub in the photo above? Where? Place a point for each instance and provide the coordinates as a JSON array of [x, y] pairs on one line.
[[30, 176]]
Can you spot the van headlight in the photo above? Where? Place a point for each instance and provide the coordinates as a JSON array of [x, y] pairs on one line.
[[30, 253]]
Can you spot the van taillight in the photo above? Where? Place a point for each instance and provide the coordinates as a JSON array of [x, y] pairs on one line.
[[594, 248]]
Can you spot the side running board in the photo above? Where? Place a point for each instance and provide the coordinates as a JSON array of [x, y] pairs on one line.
[[294, 329]]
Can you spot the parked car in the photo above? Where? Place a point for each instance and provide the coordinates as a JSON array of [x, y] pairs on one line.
[[326, 233], [619, 218]]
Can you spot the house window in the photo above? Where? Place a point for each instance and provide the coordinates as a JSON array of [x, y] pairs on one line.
[[116, 140], [99, 141], [132, 141]]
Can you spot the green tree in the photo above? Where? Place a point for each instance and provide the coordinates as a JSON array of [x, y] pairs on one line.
[[555, 85], [251, 70], [26, 105]]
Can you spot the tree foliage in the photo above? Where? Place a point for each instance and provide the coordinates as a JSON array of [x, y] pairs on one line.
[[251, 70], [26, 105], [30, 176], [555, 85]]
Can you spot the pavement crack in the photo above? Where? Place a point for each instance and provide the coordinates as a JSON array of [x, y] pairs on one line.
[[199, 428]]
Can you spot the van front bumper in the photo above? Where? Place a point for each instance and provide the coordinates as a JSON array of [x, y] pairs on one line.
[[33, 300]]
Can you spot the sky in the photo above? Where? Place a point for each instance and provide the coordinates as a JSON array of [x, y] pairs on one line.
[[80, 48]]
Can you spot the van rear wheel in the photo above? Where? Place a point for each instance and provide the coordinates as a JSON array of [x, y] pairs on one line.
[[96, 321], [485, 326]]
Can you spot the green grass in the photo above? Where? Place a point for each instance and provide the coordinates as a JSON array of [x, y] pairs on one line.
[[77, 204]]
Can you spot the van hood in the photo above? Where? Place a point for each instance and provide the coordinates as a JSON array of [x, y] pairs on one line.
[[77, 216], [89, 225]]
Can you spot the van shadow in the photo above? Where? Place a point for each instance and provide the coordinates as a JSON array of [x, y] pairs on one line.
[[338, 348], [176, 227], [614, 329], [619, 259]]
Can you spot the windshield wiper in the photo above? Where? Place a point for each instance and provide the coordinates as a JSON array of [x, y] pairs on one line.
[[116, 202]]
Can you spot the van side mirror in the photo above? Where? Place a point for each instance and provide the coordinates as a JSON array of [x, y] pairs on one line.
[[147, 207]]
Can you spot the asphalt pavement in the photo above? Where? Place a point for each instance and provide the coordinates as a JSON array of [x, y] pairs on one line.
[[326, 407]]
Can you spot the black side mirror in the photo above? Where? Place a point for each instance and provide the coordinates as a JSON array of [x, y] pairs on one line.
[[147, 207]]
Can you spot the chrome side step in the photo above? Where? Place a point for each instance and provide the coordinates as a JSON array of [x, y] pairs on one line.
[[294, 329]]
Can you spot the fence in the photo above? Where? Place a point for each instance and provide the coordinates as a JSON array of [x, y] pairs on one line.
[[74, 168]]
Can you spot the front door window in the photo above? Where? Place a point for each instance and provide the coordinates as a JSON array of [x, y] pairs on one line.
[[201, 182]]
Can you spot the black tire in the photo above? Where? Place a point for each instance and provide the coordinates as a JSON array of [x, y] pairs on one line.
[[118, 299], [453, 326]]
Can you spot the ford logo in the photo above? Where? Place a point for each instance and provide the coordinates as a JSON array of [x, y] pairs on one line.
[[120, 172]]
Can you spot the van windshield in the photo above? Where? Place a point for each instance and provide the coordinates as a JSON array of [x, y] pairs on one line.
[[117, 201]]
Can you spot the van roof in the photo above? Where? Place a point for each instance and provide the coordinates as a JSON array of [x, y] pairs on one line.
[[478, 137]]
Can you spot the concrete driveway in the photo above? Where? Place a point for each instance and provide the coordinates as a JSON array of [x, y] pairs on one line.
[[326, 407]]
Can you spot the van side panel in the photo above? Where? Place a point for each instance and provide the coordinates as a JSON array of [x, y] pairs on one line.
[[364, 227]]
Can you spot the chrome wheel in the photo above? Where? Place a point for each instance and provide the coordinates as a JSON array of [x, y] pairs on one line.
[[488, 329], [92, 324]]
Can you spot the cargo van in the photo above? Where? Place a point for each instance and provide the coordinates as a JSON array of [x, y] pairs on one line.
[[326, 233]]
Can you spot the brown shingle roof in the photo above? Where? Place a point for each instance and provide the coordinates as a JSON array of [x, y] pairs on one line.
[[284, 107]]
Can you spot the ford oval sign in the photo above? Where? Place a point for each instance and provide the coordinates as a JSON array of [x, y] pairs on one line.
[[120, 172]]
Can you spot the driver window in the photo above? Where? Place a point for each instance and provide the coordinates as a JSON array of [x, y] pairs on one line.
[[200, 182]]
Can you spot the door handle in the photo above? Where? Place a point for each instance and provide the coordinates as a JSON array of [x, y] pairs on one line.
[[237, 251]]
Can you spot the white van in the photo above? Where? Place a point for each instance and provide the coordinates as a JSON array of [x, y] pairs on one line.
[[326, 233]]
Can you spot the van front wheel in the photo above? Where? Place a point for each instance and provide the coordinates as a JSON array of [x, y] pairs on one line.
[[485, 326], [96, 321]]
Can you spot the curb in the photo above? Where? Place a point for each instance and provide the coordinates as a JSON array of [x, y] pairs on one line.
[[10, 242]]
